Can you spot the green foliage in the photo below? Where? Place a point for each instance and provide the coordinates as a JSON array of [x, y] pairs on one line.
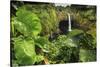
[[87, 41], [43, 44], [47, 15], [67, 48], [74, 32], [32, 25], [87, 55], [62, 49], [19, 26], [64, 40], [24, 50], [27, 22]]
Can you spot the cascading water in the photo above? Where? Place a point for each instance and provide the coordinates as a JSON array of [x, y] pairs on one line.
[[69, 23]]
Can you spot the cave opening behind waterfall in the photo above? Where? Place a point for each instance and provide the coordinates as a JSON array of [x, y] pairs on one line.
[[63, 27]]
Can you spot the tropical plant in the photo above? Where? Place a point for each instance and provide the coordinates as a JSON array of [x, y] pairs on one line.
[[32, 25], [28, 24], [24, 49]]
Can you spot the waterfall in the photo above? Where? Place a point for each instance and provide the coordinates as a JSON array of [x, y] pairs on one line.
[[69, 23]]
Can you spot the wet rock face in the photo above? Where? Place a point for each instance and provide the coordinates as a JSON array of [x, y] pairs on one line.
[[63, 26]]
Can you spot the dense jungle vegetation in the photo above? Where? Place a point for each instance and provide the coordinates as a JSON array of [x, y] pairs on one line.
[[39, 33]]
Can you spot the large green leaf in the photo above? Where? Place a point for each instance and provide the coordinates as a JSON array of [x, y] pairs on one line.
[[28, 22], [43, 43], [24, 51], [20, 27]]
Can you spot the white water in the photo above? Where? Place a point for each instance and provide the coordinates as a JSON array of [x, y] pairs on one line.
[[69, 23]]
